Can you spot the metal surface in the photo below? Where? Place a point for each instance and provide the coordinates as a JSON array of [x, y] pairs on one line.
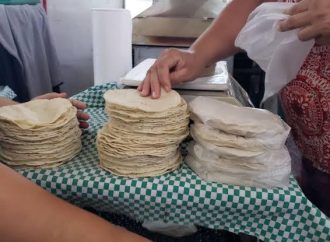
[[185, 8], [177, 18]]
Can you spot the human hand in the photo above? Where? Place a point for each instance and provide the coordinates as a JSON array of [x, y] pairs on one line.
[[173, 66], [82, 117], [313, 19]]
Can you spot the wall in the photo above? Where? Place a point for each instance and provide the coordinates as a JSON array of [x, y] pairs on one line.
[[70, 23], [137, 6]]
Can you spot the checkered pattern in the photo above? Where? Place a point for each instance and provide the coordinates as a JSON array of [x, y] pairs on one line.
[[6, 92], [181, 196]]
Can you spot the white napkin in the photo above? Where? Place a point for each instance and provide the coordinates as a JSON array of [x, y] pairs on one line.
[[279, 54]]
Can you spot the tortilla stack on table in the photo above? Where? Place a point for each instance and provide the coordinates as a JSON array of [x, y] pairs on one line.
[[39, 133], [238, 145], [143, 135]]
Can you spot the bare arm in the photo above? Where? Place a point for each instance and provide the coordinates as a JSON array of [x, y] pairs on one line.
[[217, 42], [6, 102], [30, 214]]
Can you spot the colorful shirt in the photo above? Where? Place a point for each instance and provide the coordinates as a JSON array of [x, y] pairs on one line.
[[306, 104]]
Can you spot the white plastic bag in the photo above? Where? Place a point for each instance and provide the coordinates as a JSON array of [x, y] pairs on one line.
[[238, 145], [220, 138], [267, 171], [243, 121], [279, 54]]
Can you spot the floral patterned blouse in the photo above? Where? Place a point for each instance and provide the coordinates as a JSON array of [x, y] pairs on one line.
[[306, 104]]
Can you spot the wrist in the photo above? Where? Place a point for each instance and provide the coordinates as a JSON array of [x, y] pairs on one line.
[[201, 57]]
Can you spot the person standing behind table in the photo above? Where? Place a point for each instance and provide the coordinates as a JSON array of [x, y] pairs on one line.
[[306, 99]]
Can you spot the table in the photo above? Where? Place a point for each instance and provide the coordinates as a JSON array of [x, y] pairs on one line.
[[180, 197]]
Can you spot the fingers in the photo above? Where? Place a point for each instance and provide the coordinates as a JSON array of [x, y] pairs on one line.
[[145, 90], [154, 84], [297, 8], [296, 21], [83, 125], [52, 95], [299, 17], [158, 75], [83, 116], [78, 104], [151, 84], [140, 86], [163, 73], [56, 95], [312, 18], [308, 33], [171, 59], [173, 66]]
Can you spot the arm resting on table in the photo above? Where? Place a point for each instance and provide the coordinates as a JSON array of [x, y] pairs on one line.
[[30, 214]]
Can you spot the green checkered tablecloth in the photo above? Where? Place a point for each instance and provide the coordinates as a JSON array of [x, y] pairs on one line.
[[180, 197]]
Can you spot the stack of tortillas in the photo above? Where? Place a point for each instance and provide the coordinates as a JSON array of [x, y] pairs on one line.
[[39, 133], [143, 135], [238, 145]]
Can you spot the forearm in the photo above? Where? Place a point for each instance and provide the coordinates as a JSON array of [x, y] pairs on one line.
[[28, 213], [6, 102], [217, 42]]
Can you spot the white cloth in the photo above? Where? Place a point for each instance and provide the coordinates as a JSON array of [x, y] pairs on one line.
[[279, 54], [268, 170], [238, 145], [25, 35]]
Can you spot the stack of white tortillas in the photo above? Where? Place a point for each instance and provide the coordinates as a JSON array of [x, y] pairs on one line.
[[39, 133], [143, 135], [238, 145]]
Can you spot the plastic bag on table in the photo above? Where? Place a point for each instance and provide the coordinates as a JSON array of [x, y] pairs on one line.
[[249, 172]]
